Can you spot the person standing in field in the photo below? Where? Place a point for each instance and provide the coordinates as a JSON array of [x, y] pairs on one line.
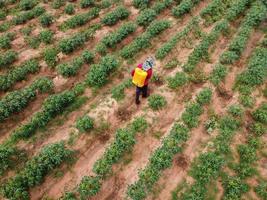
[[141, 75]]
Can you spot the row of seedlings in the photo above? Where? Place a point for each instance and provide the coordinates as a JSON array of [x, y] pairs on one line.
[[124, 142], [253, 18], [172, 144]]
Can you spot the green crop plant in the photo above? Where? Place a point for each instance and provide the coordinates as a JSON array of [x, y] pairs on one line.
[[143, 41], [85, 123], [35, 170], [86, 3], [111, 39], [184, 7], [68, 45], [236, 9], [98, 74], [46, 36], [156, 102], [69, 9], [161, 5], [81, 19], [70, 69], [218, 74], [18, 73], [7, 58], [118, 91], [88, 56], [113, 17], [17, 100], [178, 80], [261, 189], [141, 3], [260, 115], [235, 110], [50, 56], [6, 39], [22, 18], [56, 4], [46, 20], [89, 186], [146, 17], [27, 4]]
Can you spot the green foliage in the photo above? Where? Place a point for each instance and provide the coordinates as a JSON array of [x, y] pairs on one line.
[[178, 80], [258, 129], [17, 100], [160, 160], [218, 74], [2, 14], [101, 49], [50, 56], [117, 36], [156, 102], [141, 3], [81, 19], [17, 74], [204, 97], [201, 51], [118, 91], [260, 114], [234, 187], [143, 41], [33, 42], [69, 9], [68, 196], [146, 17], [88, 187], [256, 73], [88, 56], [236, 9], [46, 20], [68, 45], [261, 190], [191, 114], [23, 17], [86, 3], [235, 110], [163, 51], [27, 4], [70, 69], [113, 17], [56, 4], [184, 7], [52, 106], [46, 36], [211, 125], [85, 123], [5, 40], [99, 73], [35, 170], [161, 5], [246, 101], [7, 58]]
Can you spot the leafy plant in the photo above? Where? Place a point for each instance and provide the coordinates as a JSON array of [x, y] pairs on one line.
[[141, 3], [46, 36], [235, 110], [178, 80], [184, 7], [156, 102], [218, 74], [113, 17], [89, 186], [70, 69], [260, 114], [46, 20], [84, 123], [88, 56], [50, 56], [22, 18], [27, 4], [56, 4], [69, 9], [5, 40], [204, 97], [7, 58], [146, 17], [260, 190], [86, 3]]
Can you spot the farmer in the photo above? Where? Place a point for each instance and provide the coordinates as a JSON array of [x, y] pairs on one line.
[[141, 75]]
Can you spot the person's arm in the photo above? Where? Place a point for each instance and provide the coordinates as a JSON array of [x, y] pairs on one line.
[[133, 72], [149, 74]]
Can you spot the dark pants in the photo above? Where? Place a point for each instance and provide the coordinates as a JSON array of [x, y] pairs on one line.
[[140, 90]]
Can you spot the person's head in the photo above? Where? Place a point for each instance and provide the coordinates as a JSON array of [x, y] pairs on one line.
[[149, 63]]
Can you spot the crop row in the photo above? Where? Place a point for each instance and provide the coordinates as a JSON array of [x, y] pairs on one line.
[[123, 142], [238, 43], [201, 51], [184, 7], [207, 166], [5, 40], [162, 157], [50, 157], [7, 58], [143, 41], [16, 101], [247, 156], [163, 51], [17, 74]]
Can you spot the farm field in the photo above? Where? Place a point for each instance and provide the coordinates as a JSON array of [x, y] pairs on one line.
[[69, 125]]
